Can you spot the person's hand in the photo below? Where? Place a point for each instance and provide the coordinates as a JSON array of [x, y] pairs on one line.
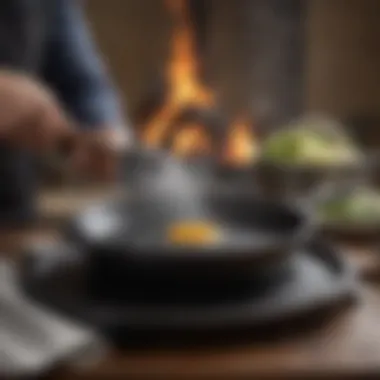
[[30, 115], [98, 154]]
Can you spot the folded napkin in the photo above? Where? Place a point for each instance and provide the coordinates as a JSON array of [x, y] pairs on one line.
[[34, 340]]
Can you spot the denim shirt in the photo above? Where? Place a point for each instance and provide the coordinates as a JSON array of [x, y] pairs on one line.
[[50, 39], [73, 67]]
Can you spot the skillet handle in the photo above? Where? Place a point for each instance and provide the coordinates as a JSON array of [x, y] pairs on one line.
[[72, 139]]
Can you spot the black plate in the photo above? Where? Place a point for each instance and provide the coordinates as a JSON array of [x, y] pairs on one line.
[[320, 278]]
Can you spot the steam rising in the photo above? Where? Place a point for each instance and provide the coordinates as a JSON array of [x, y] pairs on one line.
[[176, 188]]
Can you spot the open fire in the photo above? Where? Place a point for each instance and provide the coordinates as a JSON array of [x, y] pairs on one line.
[[190, 136]]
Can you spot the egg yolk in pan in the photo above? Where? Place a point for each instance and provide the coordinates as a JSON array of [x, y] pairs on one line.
[[193, 233]]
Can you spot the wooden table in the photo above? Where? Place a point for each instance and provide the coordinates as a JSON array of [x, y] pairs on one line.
[[348, 347]]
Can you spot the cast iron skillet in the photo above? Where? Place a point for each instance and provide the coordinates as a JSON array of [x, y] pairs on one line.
[[249, 227], [127, 238], [129, 235]]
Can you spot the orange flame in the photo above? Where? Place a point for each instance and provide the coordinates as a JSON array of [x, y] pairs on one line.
[[186, 90], [241, 147], [192, 139]]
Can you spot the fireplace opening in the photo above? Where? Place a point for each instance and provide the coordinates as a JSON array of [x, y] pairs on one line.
[[196, 131], [182, 114], [213, 76]]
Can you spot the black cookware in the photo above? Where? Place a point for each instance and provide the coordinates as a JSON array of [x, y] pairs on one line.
[[127, 239], [130, 236], [315, 278]]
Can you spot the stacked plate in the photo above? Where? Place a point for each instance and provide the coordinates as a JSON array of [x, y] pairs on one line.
[[117, 271]]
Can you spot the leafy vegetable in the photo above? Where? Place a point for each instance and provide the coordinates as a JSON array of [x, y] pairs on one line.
[[360, 207], [311, 143]]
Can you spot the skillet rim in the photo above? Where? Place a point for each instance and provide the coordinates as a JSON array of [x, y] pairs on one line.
[[283, 246]]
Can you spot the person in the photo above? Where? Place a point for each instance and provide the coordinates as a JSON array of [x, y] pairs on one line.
[[53, 84]]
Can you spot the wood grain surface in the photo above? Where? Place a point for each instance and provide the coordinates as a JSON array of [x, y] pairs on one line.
[[348, 346]]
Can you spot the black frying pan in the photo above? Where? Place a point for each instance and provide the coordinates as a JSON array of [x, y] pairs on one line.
[[127, 239], [165, 190]]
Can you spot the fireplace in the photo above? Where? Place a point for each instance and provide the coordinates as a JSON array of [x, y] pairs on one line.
[[194, 111], [339, 59], [216, 73]]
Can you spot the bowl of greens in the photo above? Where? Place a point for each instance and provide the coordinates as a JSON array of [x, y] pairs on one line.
[[306, 154], [351, 214]]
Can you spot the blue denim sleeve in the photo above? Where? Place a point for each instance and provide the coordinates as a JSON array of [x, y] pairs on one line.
[[74, 69]]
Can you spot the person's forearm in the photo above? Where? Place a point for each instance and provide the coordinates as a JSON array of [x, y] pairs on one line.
[[75, 70]]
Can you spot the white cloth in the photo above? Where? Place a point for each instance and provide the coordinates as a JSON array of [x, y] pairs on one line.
[[34, 340]]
